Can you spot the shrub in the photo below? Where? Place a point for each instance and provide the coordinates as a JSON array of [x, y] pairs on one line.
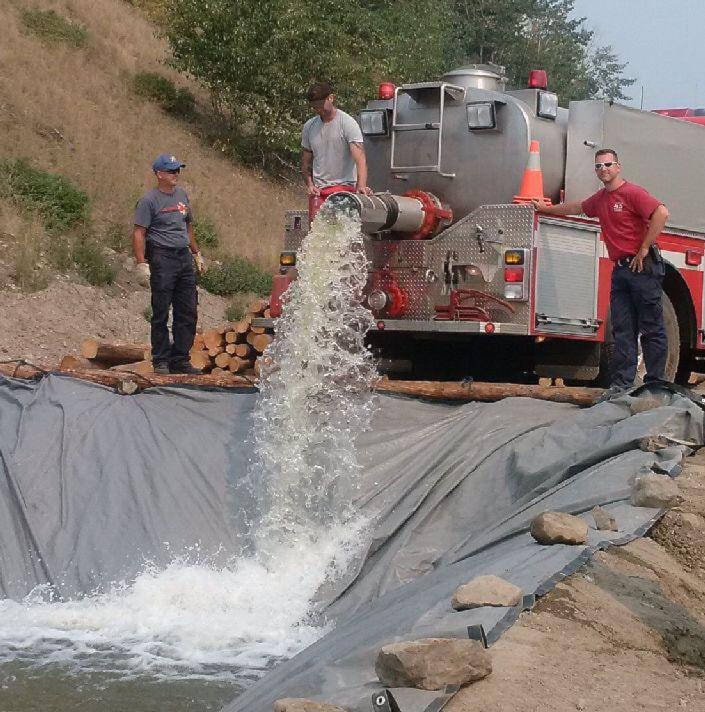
[[50, 26], [92, 263], [174, 100], [234, 276], [206, 233], [54, 197], [29, 274], [117, 237], [59, 252]]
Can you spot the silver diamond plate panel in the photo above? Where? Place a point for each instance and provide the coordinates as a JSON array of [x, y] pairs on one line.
[[478, 262], [295, 228]]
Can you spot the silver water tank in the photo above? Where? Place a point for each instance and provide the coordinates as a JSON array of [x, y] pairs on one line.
[[477, 76]]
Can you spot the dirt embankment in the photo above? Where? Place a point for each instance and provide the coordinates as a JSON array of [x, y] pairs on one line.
[[44, 326], [627, 633]]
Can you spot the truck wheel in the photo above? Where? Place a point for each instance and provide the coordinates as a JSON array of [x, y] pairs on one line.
[[670, 321]]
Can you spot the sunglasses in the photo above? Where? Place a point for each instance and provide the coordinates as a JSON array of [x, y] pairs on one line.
[[606, 164], [174, 171]]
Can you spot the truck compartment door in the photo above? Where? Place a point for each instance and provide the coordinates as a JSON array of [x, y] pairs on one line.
[[566, 278]]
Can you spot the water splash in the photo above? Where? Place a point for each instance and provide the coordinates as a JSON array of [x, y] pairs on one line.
[[315, 392]]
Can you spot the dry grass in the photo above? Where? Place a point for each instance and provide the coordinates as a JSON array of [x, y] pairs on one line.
[[73, 111]]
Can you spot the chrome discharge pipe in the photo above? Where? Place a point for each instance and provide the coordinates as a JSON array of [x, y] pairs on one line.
[[416, 214]]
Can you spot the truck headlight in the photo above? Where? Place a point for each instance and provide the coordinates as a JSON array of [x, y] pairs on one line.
[[481, 115], [547, 105], [373, 122]]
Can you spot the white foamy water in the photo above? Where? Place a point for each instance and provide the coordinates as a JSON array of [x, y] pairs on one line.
[[198, 620]]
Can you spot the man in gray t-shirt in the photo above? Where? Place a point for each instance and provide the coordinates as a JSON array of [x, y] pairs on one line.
[[165, 251], [332, 149]]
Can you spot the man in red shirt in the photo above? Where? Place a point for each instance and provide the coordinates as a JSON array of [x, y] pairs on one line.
[[631, 219]]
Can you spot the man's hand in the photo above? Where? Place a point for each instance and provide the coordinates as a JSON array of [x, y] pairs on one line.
[[199, 262], [313, 190], [143, 274], [539, 205], [365, 190], [637, 263]]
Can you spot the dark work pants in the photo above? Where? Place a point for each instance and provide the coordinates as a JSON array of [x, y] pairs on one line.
[[173, 283], [636, 308]]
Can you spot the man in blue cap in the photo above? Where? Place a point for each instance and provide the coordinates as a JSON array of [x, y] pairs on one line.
[[166, 254]]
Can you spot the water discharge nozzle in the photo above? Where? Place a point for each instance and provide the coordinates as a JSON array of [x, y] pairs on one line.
[[416, 214]]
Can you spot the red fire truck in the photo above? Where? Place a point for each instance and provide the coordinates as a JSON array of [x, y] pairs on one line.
[[466, 281]]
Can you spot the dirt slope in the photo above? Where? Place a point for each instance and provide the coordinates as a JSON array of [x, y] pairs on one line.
[[627, 633]]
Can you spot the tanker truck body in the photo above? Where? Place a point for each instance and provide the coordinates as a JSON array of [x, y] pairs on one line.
[[465, 278]]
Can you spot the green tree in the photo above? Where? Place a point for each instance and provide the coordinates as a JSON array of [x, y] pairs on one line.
[[258, 58], [528, 34]]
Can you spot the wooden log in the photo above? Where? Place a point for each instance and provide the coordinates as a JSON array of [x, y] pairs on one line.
[[115, 378], [139, 367], [223, 360], [242, 326], [114, 353], [78, 363], [200, 359], [267, 313], [240, 364], [230, 349], [243, 350], [232, 337], [198, 343], [261, 341], [214, 352], [213, 338], [257, 329], [258, 306], [489, 391]]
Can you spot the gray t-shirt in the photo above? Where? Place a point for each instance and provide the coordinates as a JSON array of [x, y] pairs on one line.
[[166, 216], [330, 142]]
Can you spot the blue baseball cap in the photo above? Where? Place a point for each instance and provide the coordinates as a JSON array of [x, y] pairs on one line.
[[166, 162]]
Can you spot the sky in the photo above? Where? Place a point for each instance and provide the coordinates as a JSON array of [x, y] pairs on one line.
[[662, 40]]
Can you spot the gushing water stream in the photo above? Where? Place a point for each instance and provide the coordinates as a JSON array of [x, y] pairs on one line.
[[197, 621]]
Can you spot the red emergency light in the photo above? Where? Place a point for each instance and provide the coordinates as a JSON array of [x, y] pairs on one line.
[[386, 90], [538, 79], [513, 274]]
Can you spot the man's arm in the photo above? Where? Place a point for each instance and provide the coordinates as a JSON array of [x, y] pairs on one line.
[[192, 244], [357, 151], [138, 242], [574, 208], [656, 224], [307, 171]]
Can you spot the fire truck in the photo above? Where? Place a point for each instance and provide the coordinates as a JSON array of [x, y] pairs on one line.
[[466, 279]]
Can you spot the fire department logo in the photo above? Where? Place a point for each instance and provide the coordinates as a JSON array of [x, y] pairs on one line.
[[618, 207], [181, 207]]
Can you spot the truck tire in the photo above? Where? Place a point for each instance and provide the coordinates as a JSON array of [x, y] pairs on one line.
[[670, 321]]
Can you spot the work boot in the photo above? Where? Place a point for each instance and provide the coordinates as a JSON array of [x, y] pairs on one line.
[[610, 394], [161, 367], [184, 367]]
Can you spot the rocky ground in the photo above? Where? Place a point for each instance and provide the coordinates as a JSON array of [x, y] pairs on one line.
[[626, 633]]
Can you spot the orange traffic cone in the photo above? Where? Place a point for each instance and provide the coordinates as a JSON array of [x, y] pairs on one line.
[[532, 182]]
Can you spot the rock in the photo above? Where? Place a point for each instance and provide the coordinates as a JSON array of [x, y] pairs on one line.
[[486, 591], [653, 443], [655, 491], [604, 520], [300, 704], [432, 663], [559, 528], [692, 521]]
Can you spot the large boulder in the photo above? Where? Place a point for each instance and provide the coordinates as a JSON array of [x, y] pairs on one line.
[[657, 491], [432, 663], [486, 591], [559, 528], [300, 704]]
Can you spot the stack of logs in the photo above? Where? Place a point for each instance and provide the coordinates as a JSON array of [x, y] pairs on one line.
[[231, 348]]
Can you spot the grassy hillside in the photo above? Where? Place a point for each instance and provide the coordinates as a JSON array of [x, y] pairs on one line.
[[68, 105]]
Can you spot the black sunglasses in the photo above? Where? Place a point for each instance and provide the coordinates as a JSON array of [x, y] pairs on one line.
[[606, 164], [173, 170]]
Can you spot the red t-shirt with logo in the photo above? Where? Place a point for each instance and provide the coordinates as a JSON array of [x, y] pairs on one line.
[[624, 216]]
